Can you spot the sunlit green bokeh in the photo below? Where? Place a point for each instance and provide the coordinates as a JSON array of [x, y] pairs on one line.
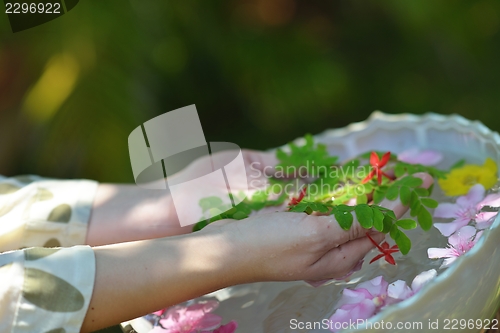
[[261, 72]]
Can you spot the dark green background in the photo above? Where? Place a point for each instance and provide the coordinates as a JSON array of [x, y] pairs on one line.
[[261, 72]]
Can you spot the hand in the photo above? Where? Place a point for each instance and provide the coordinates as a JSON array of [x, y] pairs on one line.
[[295, 246]]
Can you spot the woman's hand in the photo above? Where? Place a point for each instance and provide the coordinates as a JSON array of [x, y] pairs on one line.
[[296, 246]]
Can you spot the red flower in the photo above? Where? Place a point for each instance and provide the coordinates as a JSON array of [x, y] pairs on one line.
[[386, 251], [302, 194], [377, 165]]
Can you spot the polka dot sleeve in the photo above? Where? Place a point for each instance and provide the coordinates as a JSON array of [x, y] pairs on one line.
[[45, 289], [43, 212]]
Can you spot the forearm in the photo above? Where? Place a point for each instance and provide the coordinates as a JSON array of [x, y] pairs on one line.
[[122, 213], [133, 279]]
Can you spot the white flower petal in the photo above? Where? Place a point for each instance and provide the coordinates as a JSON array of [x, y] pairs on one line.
[[399, 290], [421, 279]]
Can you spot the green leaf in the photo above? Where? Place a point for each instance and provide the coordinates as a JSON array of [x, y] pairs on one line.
[[391, 214], [367, 188], [414, 204], [210, 202], [326, 184], [365, 215], [200, 225], [399, 170], [410, 169], [240, 215], [309, 207], [378, 195], [361, 173], [315, 159], [403, 242], [387, 224], [340, 199], [362, 199], [349, 169], [256, 205], [281, 155], [231, 210], [424, 219], [414, 211], [345, 208], [244, 207], [404, 195], [407, 224], [300, 207], [392, 193], [344, 218], [421, 192], [319, 207], [394, 233], [431, 188], [378, 219], [216, 218], [260, 196], [431, 203], [411, 181]]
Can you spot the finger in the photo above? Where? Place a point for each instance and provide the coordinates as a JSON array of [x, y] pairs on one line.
[[428, 180], [341, 260]]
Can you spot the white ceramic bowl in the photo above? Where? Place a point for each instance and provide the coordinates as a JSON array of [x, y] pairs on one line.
[[469, 289]]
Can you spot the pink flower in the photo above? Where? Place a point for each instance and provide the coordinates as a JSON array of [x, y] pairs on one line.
[[459, 243], [372, 296], [417, 156], [190, 319], [467, 208], [361, 303]]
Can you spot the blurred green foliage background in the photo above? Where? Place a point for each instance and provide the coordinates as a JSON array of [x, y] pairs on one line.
[[261, 72]]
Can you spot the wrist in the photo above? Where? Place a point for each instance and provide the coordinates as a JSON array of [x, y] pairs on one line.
[[219, 257], [237, 255]]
